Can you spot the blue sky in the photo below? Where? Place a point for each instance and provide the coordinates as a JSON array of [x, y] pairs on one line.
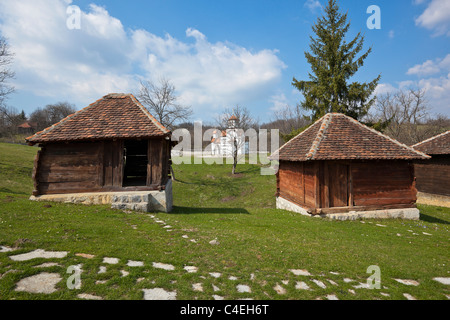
[[217, 53]]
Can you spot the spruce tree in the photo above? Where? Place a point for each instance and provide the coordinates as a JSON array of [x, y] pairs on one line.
[[333, 62]]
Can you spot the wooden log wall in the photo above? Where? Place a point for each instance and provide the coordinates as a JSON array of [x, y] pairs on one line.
[[328, 184], [95, 167], [383, 183], [66, 168], [297, 182], [433, 175]]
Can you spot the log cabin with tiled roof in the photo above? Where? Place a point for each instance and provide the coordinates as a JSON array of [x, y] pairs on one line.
[[342, 169], [113, 145], [433, 175]]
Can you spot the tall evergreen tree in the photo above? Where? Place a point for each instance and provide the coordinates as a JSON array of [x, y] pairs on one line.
[[333, 62]]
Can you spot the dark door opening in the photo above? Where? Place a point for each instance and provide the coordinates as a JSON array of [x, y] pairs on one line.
[[135, 163]]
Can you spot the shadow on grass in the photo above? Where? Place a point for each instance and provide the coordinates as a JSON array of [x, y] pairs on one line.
[[193, 210], [432, 219], [6, 190]]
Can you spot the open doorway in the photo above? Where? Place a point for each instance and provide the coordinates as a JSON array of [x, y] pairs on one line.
[[135, 163]]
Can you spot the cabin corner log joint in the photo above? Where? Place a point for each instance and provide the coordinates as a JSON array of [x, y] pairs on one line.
[[340, 166], [113, 145]]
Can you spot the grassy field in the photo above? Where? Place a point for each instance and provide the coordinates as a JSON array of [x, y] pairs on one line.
[[256, 244]]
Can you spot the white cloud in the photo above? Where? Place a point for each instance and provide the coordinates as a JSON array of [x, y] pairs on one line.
[[383, 88], [391, 34], [430, 67], [436, 17], [278, 101], [313, 5], [433, 76], [102, 57], [426, 68]]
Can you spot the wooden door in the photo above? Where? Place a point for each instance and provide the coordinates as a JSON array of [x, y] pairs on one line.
[[338, 184], [113, 163]]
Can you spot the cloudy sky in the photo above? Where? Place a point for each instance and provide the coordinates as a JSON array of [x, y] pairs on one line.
[[217, 53]]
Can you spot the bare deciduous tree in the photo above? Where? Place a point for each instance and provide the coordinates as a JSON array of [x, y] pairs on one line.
[[6, 57], [243, 122], [161, 101], [51, 114], [289, 118], [8, 115], [406, 113]]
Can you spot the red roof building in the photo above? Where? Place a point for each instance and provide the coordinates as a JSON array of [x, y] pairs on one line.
[[114, 144], [338, 165]]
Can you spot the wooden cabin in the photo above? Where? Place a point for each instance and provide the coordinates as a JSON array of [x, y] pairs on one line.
[[433, 175], [338, 165], [114, 144]]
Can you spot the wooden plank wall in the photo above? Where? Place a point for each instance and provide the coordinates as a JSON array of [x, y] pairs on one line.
[[65, 168], [297, 182], [328, 184], [383, 183], [433, 176], [94, 167]]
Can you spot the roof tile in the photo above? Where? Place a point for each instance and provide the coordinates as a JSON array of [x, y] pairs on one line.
[[112, 116], [336, 136], [439, 144]]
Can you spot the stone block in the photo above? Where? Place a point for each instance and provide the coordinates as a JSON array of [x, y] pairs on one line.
[[403, 213]]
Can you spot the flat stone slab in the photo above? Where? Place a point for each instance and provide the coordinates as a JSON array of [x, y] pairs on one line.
[[88, 296], [319, 283], [279, 289], [442, 280], [300, 285], [191, 269], [242, 288], [39, 253], [408, 296], [197, 287], [132, 263], [159, 294], [215, 274], [40, 283], [300, 272], [85, 255], [110, 260], [407, 282], [6, 249], [48, 265], [164, 266]]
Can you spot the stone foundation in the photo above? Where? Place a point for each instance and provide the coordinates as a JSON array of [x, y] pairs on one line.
[[433, 199], [145, 201], [405, 213]]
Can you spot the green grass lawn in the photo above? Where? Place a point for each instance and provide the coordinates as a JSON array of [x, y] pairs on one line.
[[257, 244]]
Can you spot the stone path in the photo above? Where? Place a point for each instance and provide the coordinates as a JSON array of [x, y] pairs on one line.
[[46, 282]]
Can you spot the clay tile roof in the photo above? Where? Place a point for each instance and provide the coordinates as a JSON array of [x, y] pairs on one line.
[[337, 137], [439, 144], [116, 115], [25, 125]]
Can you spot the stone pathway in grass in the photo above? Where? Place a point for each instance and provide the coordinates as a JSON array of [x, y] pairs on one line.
[[46, 282], [328, 286]]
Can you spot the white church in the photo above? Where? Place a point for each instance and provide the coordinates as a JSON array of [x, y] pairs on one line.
[[222, 142]]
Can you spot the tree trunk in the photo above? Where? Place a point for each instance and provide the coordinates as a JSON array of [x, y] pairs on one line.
[[235, 155]]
